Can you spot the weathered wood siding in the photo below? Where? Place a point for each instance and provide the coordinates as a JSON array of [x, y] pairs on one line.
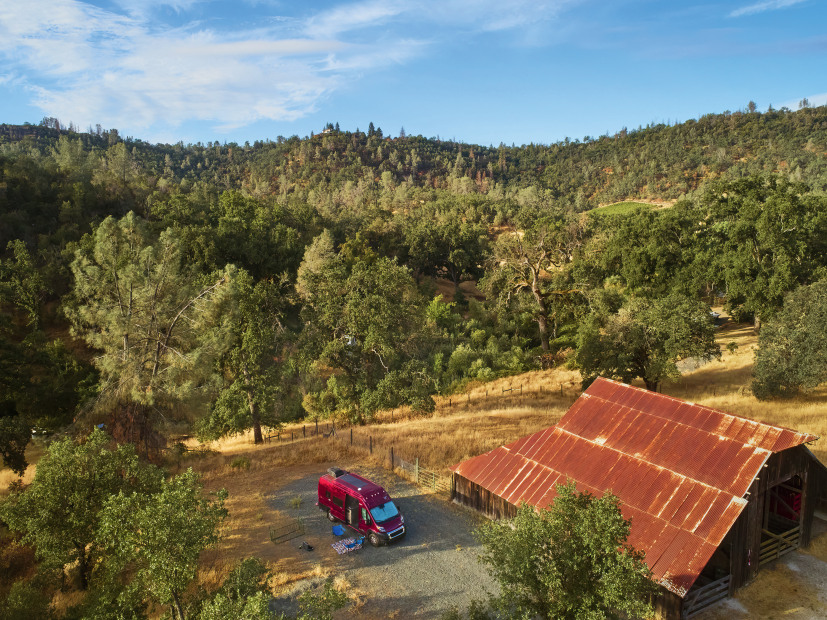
[[667, 605], [474, 496], [745, 535]]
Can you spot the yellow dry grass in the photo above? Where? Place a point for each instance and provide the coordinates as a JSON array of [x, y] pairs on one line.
[[725, 384], [34, 451]]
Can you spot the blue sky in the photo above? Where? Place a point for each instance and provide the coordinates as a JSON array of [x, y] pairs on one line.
[[480, 71]]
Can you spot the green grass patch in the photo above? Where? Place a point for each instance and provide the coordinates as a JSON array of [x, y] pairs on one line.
[[620, 208]]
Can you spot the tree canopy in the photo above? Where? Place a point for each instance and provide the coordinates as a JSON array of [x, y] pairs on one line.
[[569, 562], [792, 347], [645, 339], [157, 325]]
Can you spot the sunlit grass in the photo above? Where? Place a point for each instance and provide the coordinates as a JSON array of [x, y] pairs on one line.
[[621, 208]]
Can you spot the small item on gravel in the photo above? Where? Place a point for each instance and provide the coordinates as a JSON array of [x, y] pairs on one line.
[[338, 530], [346, 545], [306, 545]]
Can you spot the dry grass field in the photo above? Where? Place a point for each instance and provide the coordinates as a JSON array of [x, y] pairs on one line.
[[725, 384]]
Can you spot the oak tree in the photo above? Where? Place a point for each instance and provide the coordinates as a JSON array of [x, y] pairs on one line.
[[569, 562]]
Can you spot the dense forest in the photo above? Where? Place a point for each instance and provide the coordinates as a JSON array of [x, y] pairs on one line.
[[160, 290], [296, 277]]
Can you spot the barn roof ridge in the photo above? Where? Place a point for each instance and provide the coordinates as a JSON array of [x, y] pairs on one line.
[[684, 424], [726, 414]]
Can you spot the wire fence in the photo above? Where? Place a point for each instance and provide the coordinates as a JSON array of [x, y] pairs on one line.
[[408, 464], [391, 457]]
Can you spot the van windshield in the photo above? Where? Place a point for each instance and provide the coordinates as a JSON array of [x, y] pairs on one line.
[[384, 512]]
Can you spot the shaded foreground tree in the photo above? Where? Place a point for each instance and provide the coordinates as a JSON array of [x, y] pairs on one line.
[[41, 383], [571, 562], [645, 339], [60, 512], [792, 348], [160, 536], [158, 326]]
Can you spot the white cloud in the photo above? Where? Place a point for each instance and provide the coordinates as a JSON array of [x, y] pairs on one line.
[[124, 69], [352, 17], [766, 5], [815, 101], [87, 65], [492, 15]]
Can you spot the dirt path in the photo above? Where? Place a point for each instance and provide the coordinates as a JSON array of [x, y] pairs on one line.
[[434, 567]]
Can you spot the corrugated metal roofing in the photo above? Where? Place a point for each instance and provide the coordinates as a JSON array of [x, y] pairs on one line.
[[680, 469]]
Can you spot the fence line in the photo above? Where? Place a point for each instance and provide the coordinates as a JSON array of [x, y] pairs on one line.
[[392, 458], [409, 464]]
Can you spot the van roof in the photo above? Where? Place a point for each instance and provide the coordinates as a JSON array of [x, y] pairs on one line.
[[372, 493], [361, 485]]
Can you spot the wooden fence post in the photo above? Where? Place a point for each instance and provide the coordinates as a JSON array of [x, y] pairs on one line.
[[304, 434], [370, 443], [391, 457], [351, 436], [317, 426]]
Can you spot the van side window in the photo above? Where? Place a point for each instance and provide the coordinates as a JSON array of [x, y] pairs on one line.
[[365, 517], [338, 501]]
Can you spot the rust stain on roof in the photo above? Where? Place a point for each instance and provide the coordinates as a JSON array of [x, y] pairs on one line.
[[681, 470]]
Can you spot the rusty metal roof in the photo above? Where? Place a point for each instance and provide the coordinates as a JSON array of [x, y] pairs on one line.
[[680, 469]]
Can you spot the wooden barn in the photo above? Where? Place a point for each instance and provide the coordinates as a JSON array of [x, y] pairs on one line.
[[712, 497]]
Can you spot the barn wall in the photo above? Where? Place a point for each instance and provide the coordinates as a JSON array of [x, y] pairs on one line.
[[474, 496], [818, 479], [667, 605]]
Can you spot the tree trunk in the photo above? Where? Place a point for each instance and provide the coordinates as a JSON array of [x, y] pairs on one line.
[[542, 319], [178, 605], [83, 569], [251, 401], [651, 385]]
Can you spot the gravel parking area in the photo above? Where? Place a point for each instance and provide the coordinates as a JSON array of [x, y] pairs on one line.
[[434, 567]]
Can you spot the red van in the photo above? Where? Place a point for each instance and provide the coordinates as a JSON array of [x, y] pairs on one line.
[[361, 504]]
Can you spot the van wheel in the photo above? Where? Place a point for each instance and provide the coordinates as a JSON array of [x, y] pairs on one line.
[[374, 539], [330, 517]]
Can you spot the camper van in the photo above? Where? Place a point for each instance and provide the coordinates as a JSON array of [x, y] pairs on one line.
[[361, 504]]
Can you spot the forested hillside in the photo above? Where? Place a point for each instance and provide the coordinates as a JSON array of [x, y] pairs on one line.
[[163, 288]]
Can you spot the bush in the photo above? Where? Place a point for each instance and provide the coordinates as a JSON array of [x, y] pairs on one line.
[[792, 348]]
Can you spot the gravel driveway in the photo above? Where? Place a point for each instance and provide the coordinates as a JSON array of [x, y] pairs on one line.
[[434, 567]]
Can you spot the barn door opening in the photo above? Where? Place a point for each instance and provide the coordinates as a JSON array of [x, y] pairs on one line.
[[781, 532]]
